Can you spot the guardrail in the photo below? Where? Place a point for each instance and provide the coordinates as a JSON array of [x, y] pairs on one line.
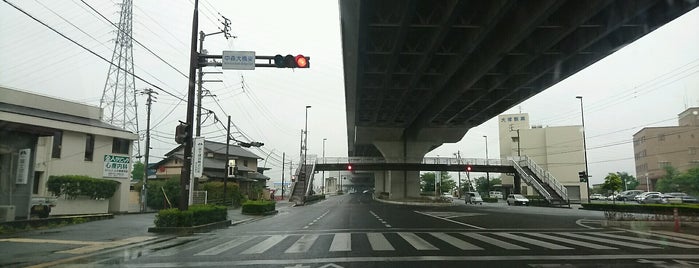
[[531, 181], [547, 178]]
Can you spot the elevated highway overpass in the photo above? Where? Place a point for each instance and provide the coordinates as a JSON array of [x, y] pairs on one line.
[[420, 73]]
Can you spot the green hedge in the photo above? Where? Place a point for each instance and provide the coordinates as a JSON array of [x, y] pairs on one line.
[[258, 207], [490, 199], [315, 197], [195, 215], [215, 193], [682, 209], [73, 186]]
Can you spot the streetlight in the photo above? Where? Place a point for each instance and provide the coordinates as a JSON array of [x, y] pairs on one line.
[[305, 138], [587, 173], [487, 174], [323, 176]]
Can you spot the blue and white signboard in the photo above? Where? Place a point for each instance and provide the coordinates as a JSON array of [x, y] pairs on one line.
[[23, 166], [198, 157], [116, 166], [238, 60]]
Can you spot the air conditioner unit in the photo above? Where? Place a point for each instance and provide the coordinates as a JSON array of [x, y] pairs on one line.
[[7, 213]]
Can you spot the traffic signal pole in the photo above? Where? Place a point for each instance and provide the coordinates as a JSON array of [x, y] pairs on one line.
[[185, 174]]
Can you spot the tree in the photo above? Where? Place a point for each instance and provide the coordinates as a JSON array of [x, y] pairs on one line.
[[675, 181], [669, 182], [612, 183], [446, 184], [427, 182], [483, 186], [630, 180], [137, 172]]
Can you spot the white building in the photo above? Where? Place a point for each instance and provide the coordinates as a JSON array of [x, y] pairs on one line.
[[62, 138], [556, 149]]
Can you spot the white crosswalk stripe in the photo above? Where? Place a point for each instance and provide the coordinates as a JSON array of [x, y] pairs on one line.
[[417, 242], [379, 242], [421, 241], [341, 242], [265, 245], [303, 244], [531, 241]]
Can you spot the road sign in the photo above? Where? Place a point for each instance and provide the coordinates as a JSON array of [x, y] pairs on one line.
[[198, 157], [238, 60]]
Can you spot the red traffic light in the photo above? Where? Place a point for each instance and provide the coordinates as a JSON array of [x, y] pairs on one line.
[[301, 61], [349, 167], [468, 168]]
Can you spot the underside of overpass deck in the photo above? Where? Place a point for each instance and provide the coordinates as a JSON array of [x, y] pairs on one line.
[[424, 71], [420, 73]]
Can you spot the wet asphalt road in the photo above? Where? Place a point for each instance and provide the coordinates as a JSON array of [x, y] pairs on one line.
[[356, 231]]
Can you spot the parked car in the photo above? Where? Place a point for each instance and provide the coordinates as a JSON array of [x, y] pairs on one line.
[[653, 199], [517, 199], [473, 198], [448, 197], [495, 194], [596, 197], [689, 199], [628, 195], [643, 195]]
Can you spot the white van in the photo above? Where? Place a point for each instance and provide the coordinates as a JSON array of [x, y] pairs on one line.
[[495, 194]]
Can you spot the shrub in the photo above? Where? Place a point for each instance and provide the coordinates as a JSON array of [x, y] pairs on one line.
[[173, 217], [258, 207], [205, 214], [156, 199], [72, 186], [215, 193], [667, 209], [490, 199]]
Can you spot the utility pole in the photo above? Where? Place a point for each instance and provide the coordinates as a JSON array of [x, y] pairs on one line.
[[186, 174], [283, 164], [200, 77], [458, 159], [144, 191], [228, 160]]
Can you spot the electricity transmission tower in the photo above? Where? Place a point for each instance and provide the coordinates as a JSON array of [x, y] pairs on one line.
[[118, 100]]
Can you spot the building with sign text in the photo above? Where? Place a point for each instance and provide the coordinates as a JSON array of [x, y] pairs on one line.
[[42, 136]]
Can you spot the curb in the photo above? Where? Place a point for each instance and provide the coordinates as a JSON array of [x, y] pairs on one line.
[[266, 213], [414, 203], [646, 224], [190, 230]]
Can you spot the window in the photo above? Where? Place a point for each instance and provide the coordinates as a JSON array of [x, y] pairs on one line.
[[120, 146], [692, 150], [37, 182], [509, 119], [210, 155], [663, 164], [57, 145], [661, 137], [516, 118], [89, 147], [521, 119], [245, 163]]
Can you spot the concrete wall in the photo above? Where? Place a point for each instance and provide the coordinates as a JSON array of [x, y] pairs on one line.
[[79, 206], [11, 193]]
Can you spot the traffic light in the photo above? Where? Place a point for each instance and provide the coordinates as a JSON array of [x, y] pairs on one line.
[[181, 133], [349, 167], [290, 61], [468, 168], [583, 176]]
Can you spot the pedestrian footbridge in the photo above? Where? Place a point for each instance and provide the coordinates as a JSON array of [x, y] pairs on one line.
[[523, 168]]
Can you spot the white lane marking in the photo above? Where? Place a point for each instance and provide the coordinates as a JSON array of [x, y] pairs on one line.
[[450, 220], [532, 241], [316, 220], [684, 235], [265, 245], [341, 242], [607, 241], [436, 259], [303, 244], [379, 242], [493, 241], [463, 245], [580, 223], [645, 240], [417, 242], [665, 236], [385, 223], [225, 246], [570, 241]]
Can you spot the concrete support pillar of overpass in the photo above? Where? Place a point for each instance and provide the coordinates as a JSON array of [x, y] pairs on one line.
[[401, 184], [517, 184]]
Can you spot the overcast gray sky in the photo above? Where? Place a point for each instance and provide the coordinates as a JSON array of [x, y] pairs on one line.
[[646, 83]]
